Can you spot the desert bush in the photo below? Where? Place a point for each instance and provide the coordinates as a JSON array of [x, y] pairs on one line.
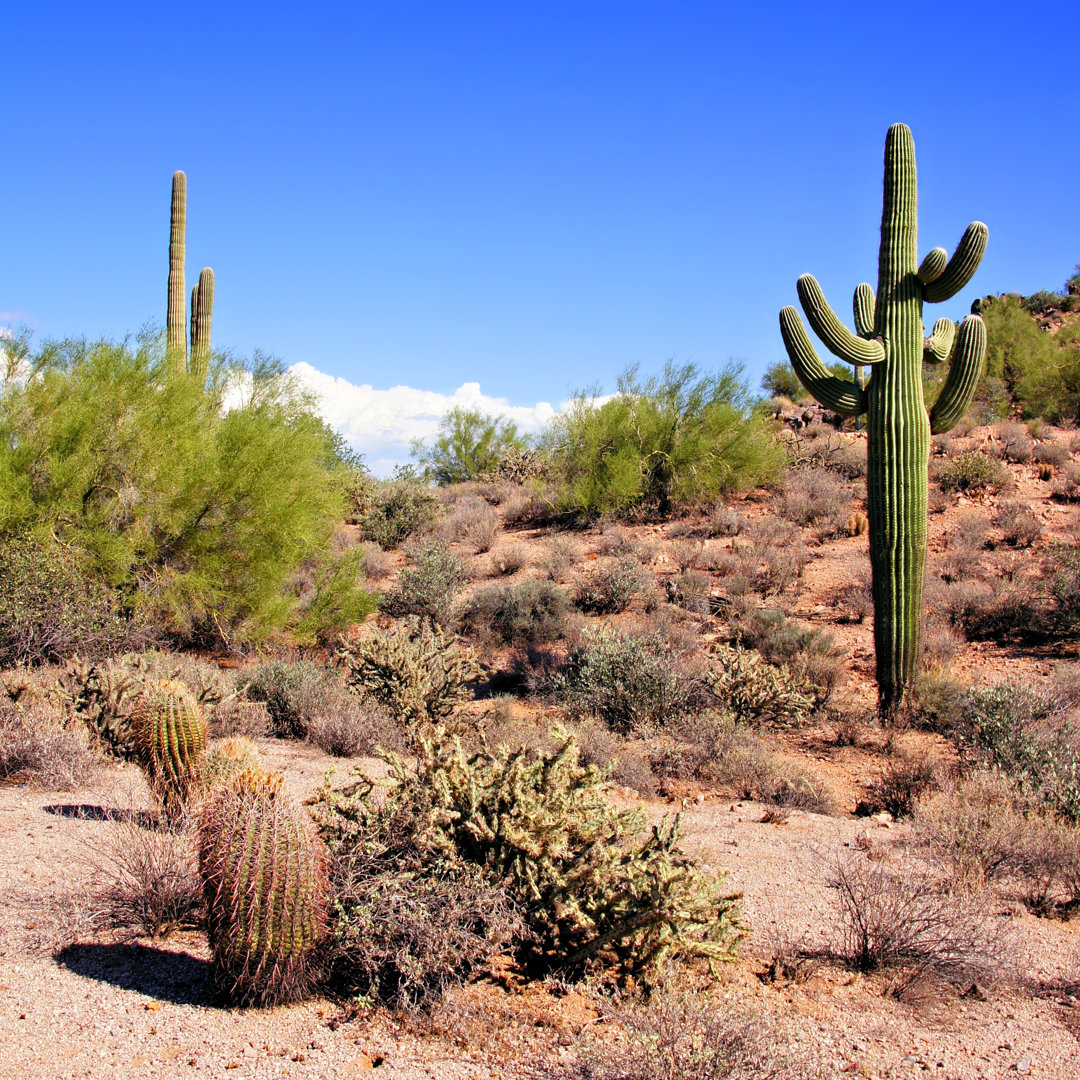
[[609, 589], [681, 1036], [150, 876], [469, 445], [971, 470], [754, 691], [42, 747], [559, 550], [676, 439], [1066, 485], [723, 521], [534, 611], [691, 589], [192, 506], [397, 510], [908, 775], [999, 609], [50, 609], [902, 921], [1020, 527], [591, 886], [815, 498], [855, 598], [375, 562], [413, 668], [1014, 442], [429, 587], [632, 683], [360, 728], [1061, 571], [474, 523], [1051, 452], [295, 693], [773, 555], [509, 560]]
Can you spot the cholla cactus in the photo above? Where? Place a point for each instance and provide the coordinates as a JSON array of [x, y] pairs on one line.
[[103, 695], [753, 689], [415, 668], [264, 872], [589, 884], [169, 731]]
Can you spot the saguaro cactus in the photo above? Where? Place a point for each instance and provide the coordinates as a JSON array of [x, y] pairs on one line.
[[202, 298], [889, 340], [265, 880]]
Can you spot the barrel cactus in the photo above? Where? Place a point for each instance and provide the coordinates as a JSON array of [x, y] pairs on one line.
[[226, 758], [169, 732], [266, 884], [889, 340]]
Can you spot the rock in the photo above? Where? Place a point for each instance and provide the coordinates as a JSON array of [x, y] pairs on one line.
[[1023, 1066], [360, 1063]]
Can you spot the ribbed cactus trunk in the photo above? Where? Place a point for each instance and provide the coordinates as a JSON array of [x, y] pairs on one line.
[[889, 340], [898, 432], [202, 311], [175, 322]]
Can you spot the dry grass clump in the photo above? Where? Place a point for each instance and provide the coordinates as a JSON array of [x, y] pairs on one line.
[[1013, 442], [474, 523], [815, 498], [376, 563], [509, 560], [854, 597], [361, 729], [772, 554], [1050, 452], [896, 916], [40, 745], [680, 1035], [1066, 485], [151, 876], [609, 589], [908, 775], [559, 552], [1019, 525]]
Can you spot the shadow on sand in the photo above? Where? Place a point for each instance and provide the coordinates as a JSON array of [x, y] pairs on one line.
[[177, 977], [144, 819]]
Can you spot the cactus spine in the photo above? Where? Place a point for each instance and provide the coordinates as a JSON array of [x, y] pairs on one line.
[[169, 732], [890, 341], [202, 298], [266, 884]]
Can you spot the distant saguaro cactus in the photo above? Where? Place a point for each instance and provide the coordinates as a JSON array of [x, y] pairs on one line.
[[265, 879], [889, 339], [202, 298]]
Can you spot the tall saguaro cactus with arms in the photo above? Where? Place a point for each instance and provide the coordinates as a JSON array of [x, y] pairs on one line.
[[202, 297], [889, 341]]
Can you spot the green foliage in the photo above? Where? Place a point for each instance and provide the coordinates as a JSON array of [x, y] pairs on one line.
[[671, 440], [532, 612], [195, 509], [634, 684], [393, 511], [429, 587], [592, 884], [780, 380], [264, 872], [415, 669], [50, 610], [469, 445]]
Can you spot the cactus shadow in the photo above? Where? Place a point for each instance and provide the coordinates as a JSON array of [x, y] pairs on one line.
[[144, 819], [176, 977]]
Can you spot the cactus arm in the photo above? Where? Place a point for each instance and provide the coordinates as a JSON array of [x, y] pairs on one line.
[[836, 336], [176, 339], [961, 267], [939, 344], [864, 306], [933, 266], [964, 373], [841, 396], [200, 325]]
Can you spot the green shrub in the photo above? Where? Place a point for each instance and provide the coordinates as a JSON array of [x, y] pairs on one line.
[[429, 587], [633, 683], [780, 380], [330, 598], [677, 439], [1041, 301], [396, 510], [534, 611], [592, 885], [413, 668], [469, 445], [609, 589], [50, 609], [972, 470], [194, 507]]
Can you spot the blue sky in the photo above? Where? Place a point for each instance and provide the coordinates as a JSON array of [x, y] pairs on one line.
[[523, 196]]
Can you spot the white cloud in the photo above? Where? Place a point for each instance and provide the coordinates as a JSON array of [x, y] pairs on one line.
[[381, 423]]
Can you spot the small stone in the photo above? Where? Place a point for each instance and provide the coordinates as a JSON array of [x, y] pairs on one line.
[[1023, 1066], [152, 1006], [360, 1063]]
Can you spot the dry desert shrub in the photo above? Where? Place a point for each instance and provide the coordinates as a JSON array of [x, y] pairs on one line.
[[971, 471], [509, 560], [1019, 525], [908, 775], [896, 916], [360, 728], [1013, 442], [1051, 452], [854, 597], [474, 523], [609, 589], [429, 587], [691, 589], [42, 746], [559, 551], [817, 499], [532, 612], [1066, 485], [376, 563], [683, 1036]]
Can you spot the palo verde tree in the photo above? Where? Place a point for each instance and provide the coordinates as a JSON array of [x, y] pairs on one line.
[[889, 340]]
